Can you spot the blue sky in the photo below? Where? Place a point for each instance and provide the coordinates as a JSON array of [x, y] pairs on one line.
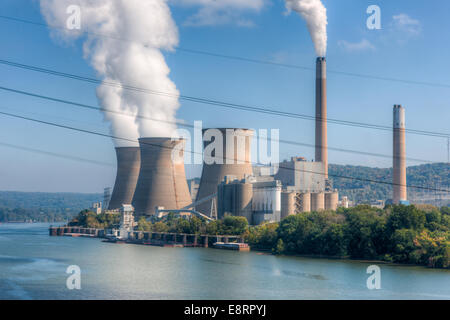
[[412, 45]]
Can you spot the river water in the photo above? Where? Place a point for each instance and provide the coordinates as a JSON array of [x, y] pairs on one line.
[[33, 266]]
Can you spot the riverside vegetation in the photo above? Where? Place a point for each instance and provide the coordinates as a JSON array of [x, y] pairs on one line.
[[415, 234]]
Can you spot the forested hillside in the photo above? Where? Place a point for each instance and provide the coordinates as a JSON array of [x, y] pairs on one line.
[[44, 207], [433, 176]]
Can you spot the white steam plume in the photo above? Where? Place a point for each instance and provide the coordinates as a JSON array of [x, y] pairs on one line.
[[315, 15], [124, 39]]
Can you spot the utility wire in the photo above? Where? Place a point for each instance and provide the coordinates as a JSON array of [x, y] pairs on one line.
[[160, 146], [178, 123], [53, 154], [216, 102], [230, 57]]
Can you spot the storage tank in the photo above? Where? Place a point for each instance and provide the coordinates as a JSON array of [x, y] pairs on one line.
[[235, 198], [317, 201], [128, 166], [288, 203], [304, 202], [162, 181], [231, 156], [331, 200]]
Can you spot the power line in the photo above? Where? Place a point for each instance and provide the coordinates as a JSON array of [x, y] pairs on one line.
[[160, 146], [178, 123], [53, 154], [232, 57], [216, 102]]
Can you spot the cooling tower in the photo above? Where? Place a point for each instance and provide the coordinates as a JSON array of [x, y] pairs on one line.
[[331, 200], [399, 161], [162, 181], [321, 113], [317, 201], [128, 164], [226, 153]]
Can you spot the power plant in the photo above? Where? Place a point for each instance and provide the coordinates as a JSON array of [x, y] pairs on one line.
[[128, 166], [149, 178], [399, 157], [162, 179]]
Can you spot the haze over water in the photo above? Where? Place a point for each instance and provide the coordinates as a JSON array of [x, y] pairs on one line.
[[33, 265]]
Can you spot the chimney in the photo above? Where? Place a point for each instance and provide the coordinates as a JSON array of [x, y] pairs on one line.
[[321, 113], [128, 164], [162, 181], [235, 160], [399, 161]]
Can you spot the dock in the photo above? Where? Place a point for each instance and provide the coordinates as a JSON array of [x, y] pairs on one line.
[[160, 239]]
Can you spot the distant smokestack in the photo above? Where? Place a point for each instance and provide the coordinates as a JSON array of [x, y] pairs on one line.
[[128, 164], [236, 161], [321, 113], [162, 181], [399, 165]]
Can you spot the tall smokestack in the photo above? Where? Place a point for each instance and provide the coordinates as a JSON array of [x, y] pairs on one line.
[[234, 146], [128, 164], [162, 179], [321, 113], [399, 165]]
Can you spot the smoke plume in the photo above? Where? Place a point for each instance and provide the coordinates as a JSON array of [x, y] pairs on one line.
[[315, 15], [123, 40]]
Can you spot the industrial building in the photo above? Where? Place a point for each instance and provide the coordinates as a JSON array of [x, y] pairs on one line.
[[302, 175], [258, 200]]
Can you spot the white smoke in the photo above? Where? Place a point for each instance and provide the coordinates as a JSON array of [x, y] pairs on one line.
[[315, 15], [123, 42]]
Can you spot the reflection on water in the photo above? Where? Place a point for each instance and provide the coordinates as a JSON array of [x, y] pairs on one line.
[[33, 266]]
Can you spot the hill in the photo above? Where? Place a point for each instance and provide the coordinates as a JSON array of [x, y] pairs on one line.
[[43, 207], [431, 176]]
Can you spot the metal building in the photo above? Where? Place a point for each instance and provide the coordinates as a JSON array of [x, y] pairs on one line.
[[303, 176], [162, 180], [266, 204]]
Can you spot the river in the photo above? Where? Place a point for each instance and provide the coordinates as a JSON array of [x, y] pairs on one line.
[[33, 266]]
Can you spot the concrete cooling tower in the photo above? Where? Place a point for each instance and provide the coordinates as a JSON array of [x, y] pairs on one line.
[[162, 181], [128, 164], [227, 152], [321, 153]]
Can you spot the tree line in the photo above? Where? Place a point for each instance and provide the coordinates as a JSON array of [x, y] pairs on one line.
[[415, 234]]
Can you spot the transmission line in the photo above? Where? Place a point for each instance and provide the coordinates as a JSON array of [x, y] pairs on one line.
[[178, 123], [216, 102], [200, 153]]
